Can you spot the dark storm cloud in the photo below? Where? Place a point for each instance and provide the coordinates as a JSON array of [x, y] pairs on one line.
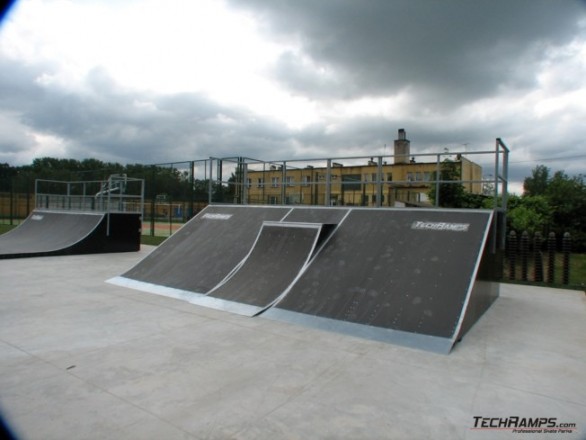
[[455, 73], [109, 122], [445, 51]]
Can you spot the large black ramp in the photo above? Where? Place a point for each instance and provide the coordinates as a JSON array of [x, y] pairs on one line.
[[277, 257], [402, 276], [202, 253], [49, 233]]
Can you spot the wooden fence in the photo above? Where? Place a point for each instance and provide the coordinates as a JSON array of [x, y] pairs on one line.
[[537, 258]]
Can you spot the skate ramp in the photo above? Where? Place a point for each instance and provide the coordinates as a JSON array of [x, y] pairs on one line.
[[202, 253], [406, 276], [279, 255], [48, 233], [403, 276]]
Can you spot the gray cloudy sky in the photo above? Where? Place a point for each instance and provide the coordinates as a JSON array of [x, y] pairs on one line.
[[169, 80]]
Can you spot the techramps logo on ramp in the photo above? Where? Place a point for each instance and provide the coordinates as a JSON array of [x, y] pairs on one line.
[[440, 226], [216, 216]]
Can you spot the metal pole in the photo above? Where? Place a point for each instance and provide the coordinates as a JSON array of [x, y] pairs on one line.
[[283, 182], [153, 198], [328, 183], [437, 180], [107, 207], [11, 201], [192, 190], [379, 183], [142, 195], [210, 183], [496, 175], [245, 183]]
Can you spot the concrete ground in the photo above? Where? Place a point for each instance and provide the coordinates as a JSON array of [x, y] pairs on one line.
[[83, 359]]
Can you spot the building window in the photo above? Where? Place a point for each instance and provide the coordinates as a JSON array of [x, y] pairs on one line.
[[274, 182], [289, 180], [351, 182], [410, 177], [273, 200], [248, 183], [389, 177], [427, 176], [260, 182], [306, 180]]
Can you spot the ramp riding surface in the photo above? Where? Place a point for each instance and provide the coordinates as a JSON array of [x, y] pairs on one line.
[[46, 233], [398, 275], [202, 253], [277, 257]]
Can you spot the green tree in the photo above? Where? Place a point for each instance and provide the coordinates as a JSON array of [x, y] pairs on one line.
[[451, 191], [529, 213], [537, 184], [567, 196]]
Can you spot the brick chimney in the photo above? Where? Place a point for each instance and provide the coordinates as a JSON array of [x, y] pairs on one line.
[[402, 147]]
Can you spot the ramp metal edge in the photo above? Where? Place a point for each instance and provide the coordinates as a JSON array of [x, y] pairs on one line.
[[169, 292], [226, 305], [406, 339], [74, 212]]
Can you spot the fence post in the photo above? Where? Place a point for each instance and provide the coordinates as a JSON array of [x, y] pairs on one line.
[[566, 248], [512, 250], [538, 258], [551, 258], [524, 254]]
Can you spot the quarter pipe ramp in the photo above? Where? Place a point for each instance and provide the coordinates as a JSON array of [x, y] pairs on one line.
[[46, 233], [415, 277]]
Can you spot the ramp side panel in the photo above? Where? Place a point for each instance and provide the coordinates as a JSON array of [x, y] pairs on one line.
[[277, 257], [394, 269], [45, 232], [486, 286], [125, 231], [198, 256]]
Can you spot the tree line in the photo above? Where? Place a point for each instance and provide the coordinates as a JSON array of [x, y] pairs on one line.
[[173, 182]]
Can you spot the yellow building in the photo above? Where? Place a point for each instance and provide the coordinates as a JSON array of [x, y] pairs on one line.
[[403, 183]]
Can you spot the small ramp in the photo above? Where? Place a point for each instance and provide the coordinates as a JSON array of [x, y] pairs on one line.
[[277, 258], [401, 276], [202, 253], [49, 233]]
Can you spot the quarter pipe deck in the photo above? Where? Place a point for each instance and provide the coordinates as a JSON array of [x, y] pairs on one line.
[[408, 276], [46, 233]]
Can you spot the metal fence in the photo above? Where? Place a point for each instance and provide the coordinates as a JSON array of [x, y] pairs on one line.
[[119, 193], [174, 192]]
